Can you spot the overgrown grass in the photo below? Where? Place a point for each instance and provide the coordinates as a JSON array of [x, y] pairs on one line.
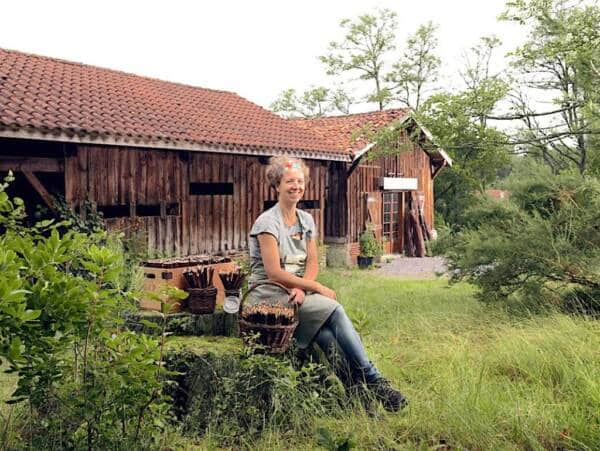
[[476, 377], [8, 413]]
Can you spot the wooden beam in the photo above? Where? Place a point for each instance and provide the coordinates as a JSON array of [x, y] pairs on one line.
[[31, 164], [37, 185], [438, 169]]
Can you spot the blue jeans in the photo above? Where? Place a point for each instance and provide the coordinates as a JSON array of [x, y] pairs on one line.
[[339, 336]]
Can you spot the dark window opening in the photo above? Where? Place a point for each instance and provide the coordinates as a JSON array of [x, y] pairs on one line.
[[113, 211], [172, 209], [268, 204], [147, 210], [31, 148], [124, 210], [211, 189], [309, 204], [35, 206]]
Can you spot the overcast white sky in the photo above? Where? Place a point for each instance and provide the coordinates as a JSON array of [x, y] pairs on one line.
[[255, 48]]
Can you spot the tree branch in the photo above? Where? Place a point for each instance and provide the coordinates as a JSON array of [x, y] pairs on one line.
[[526, 115]]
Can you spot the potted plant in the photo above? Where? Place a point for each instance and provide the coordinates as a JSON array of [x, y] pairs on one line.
[[370, 247]]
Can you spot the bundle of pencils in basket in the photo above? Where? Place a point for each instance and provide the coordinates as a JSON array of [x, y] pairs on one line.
[[202, 278], [232, 281], [269, 314]]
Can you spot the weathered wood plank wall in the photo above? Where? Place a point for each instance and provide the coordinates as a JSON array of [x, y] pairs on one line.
[[365, 178], [130, 178], [208, 233], [154, 186]]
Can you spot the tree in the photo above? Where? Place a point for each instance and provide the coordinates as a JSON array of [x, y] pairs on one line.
[[315, 102], [364, 49], [557, 66], [365, 54], [417, 67], [540, 248], [342, 101], [460, 126], [312, 103]]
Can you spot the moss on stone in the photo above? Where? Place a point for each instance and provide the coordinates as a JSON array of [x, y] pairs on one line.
[[184, 323], [203, 345]]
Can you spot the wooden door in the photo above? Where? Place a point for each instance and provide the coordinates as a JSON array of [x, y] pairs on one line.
[[373, 206], [392, 221]]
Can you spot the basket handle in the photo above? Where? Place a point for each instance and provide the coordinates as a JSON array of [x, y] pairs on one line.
[[277, 284]]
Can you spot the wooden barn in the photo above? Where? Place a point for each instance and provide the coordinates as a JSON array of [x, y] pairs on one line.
[[184, 166], [377, 189]]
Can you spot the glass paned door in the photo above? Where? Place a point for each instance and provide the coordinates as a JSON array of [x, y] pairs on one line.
[[392, 224]]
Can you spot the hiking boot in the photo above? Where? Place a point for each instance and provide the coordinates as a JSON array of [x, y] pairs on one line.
[[391, 398]]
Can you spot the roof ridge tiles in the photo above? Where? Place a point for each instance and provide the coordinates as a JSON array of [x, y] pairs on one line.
[[345, 116], [340, 129]]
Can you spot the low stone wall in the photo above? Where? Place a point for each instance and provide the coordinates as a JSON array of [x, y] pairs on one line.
[[218, 323], [223, 387], [218, 384]]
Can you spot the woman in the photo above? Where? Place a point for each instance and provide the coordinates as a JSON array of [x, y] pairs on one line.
[[283, 249]]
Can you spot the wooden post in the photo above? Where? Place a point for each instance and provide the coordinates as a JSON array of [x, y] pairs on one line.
[[37, 185]]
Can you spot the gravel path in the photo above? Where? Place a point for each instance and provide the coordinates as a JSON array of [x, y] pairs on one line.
[[426, 267]]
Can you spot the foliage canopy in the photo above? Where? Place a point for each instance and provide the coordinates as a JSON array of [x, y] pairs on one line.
[[541, 248]]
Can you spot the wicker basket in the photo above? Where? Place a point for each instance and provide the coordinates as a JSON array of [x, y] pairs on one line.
[[201, 301], [275, 338]]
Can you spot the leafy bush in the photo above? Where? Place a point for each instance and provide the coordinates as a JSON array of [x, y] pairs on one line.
[[541, 247], [443, 238], [88, 383], [369, 245]]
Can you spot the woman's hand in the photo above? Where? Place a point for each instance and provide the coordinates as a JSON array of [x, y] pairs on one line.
[[297, 296], [327, 292]]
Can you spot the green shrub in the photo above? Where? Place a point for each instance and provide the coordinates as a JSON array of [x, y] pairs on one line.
[[540, 248], [443, 240], [89, 383], [369, 245]]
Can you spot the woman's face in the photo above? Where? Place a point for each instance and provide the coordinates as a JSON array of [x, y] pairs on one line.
[[291, 186]]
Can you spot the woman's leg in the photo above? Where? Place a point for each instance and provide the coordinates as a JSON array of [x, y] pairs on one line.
[[335, 355], [338, 333], [341, 330]]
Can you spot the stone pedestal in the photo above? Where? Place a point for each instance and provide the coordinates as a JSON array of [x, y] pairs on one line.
[[338, 255]]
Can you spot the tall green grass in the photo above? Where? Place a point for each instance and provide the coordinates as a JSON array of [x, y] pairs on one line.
[[9, 414], [476, 377]]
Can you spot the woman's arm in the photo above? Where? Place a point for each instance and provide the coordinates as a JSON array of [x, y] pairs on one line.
[[270, 256], [312, 267], [312, 260]]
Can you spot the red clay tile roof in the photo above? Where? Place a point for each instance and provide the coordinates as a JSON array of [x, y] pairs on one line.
[[340, 129], [90, 104]]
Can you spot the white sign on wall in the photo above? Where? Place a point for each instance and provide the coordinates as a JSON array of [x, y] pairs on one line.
[[403, 183]]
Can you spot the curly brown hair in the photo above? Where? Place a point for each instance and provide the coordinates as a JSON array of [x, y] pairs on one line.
[[279, 164]]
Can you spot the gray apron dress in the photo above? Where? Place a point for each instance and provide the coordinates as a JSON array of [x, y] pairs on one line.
[[316, 308]]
